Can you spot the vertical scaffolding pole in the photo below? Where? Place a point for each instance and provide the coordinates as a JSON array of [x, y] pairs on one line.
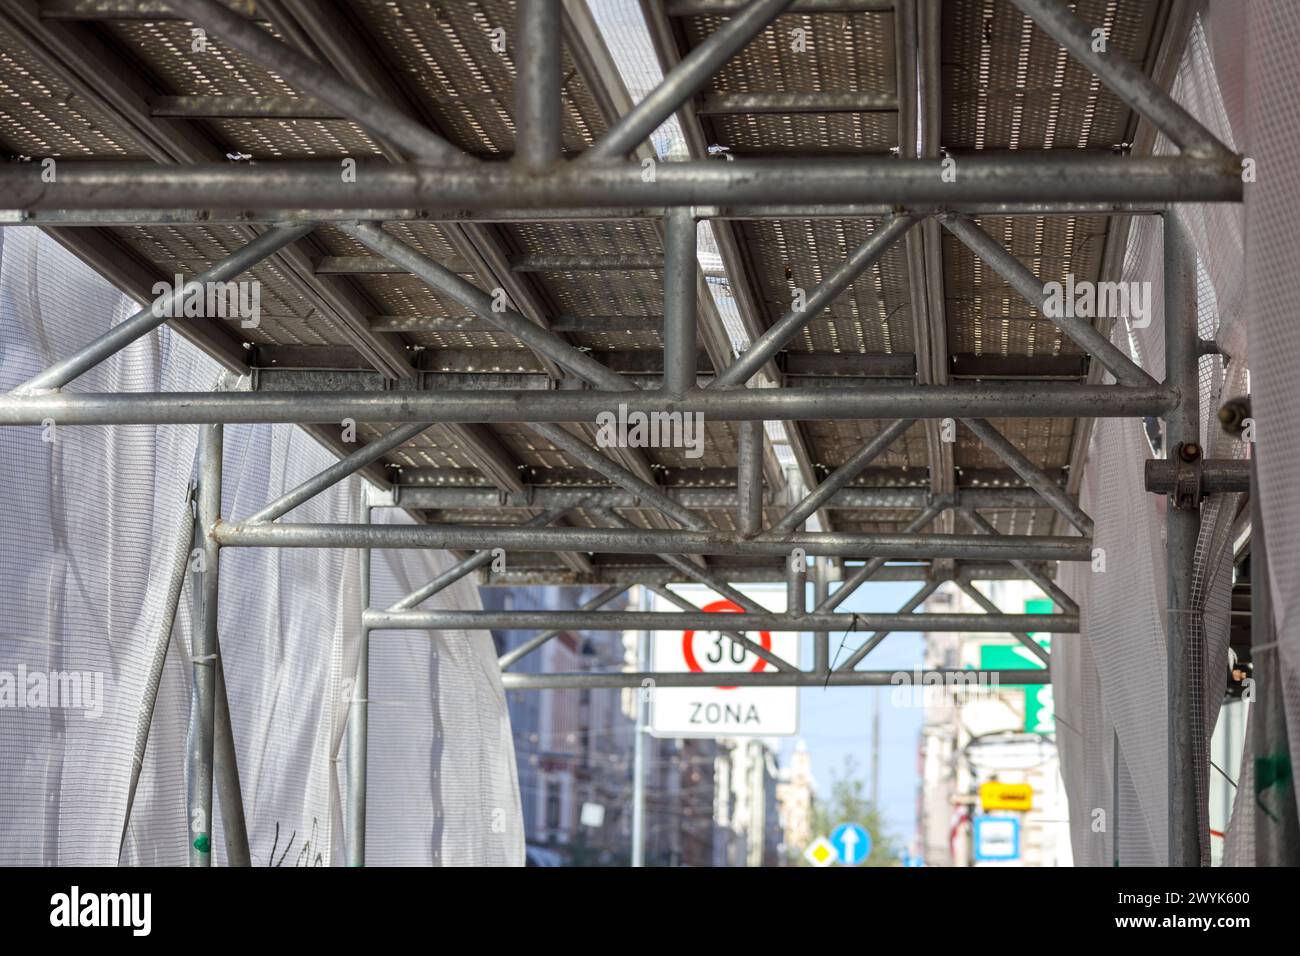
[[359, 719], [680, 316], [203, 674], [821, 639], [749, 478], [233, 823], [1184, 672], [537, 84], [796, 581]]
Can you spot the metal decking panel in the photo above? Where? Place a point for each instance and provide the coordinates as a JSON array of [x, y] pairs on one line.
[[441, 56]]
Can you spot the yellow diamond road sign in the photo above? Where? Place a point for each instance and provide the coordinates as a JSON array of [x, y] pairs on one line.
[[820, 852]]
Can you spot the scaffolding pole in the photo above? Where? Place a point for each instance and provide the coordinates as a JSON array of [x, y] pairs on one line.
[[203, 677], [359, 716], [1188, 839]]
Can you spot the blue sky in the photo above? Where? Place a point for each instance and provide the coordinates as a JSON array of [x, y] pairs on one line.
[[836, 721]]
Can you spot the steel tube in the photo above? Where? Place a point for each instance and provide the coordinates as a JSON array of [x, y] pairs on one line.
[[475, 561], [873, 567], [1032, 475], [692, 571], [452, 497], [203, 679], [225, 764], [683, 81], [538, 109], [1079, 330], [1129, 81], [837, 678], [1023, 637], [336, 472], [661, 621], [657, 574], [1188, 748], [987, 400], [523, 650], [540, 340], [795, 101], [841, 476], [1045, 584], [1218, 475], [159, 311], [905, 614], [359, 719], [312, 184], [749, 478], [177, 565], [304, 73], [821, 639], [680, 311], [120, 216], [789, 325], [584, 454], [643, 541], [796, 587]]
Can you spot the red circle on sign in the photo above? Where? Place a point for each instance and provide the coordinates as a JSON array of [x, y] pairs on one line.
[[722, 607]]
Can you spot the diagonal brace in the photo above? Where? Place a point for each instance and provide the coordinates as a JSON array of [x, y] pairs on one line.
[[841, 476], [1079, 330], [1123, 77], [789, 325], [874, 640], [158, 311], [1033, 476], [1033, 646]]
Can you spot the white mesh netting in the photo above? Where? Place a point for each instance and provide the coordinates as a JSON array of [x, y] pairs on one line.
[[1112, 683], [94, 521]]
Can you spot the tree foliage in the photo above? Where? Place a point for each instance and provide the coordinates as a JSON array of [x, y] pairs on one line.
[[849, 803]]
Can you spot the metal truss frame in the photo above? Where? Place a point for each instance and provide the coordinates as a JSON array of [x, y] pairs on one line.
[[425, 177]]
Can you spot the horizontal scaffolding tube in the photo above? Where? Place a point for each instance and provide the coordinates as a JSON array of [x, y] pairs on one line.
[[703, 621], [984, 400], [657, 575], [121, 216], [316, 184], [642, 541], [936, 678], [445, 498], [1218, 475]]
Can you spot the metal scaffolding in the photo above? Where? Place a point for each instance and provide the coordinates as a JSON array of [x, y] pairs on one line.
[[749, 519]]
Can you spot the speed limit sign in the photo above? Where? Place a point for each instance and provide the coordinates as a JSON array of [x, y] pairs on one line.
[[725, 710]]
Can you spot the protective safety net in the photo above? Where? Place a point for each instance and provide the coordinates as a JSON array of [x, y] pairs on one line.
[[1110, 685], [94, 543]]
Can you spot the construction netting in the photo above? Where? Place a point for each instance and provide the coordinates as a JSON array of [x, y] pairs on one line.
[[95, 541], [1111, 685]]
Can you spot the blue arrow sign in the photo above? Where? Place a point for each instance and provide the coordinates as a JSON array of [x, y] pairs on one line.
[[852, 843]]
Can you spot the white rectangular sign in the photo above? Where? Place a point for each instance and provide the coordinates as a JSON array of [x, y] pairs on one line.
[[722, 711]]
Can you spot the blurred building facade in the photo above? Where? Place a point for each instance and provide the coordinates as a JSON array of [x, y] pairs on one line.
[[795, 793], [978, 734]]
